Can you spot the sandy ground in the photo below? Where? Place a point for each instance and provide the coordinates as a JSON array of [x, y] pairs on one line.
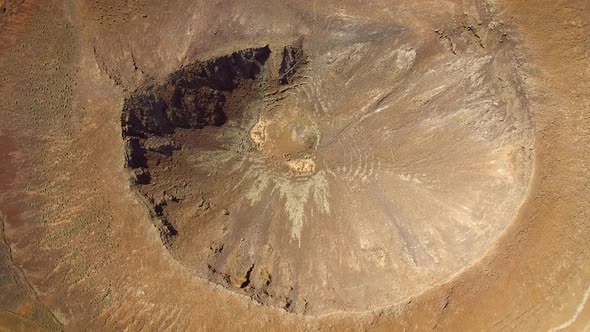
[[81, 251]]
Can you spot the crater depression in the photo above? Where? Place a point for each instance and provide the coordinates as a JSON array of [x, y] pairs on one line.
[[345, 170]]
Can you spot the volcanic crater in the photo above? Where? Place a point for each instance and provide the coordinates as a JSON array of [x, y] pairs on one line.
[[346, 170]]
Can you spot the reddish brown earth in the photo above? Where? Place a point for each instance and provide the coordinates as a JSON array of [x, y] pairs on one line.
[[295, 165]]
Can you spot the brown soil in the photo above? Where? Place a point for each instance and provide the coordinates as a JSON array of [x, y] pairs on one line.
[[307, 166]]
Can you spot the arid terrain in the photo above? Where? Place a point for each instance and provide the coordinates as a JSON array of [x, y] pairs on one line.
[[295, 165]]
